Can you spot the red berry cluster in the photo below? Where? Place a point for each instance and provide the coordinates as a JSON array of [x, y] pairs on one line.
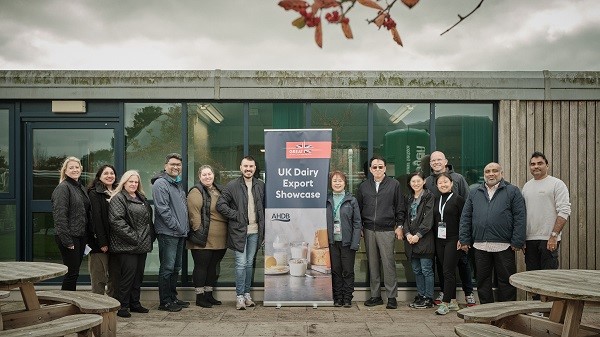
[[334, 17], [311, 20], [389, 23]]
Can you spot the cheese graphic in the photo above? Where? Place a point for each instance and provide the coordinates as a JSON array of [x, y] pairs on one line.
[[320, 257], [321, 240]]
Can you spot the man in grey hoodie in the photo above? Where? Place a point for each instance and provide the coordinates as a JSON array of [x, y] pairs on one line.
[[171, 226]]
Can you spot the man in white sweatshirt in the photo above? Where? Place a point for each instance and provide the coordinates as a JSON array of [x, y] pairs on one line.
[[548, 208]]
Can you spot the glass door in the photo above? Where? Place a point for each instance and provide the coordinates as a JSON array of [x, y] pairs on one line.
[[48, 144]]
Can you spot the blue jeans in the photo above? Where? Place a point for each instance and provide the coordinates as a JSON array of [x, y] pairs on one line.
[[170, 251], [423, 269], [243, 265]]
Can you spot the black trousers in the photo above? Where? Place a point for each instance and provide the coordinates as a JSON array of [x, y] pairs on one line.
[[448, 256], [130, 279], [342, 271], [206, 262], [504, 265], [464, 272], [538, 257], [72, 259]]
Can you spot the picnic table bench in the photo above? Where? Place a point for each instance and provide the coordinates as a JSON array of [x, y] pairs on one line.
[[499, 312], [483, 330], [87, 303], [82, 324]]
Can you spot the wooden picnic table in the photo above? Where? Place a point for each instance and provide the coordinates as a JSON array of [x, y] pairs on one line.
[[23, 275], [569, 289]]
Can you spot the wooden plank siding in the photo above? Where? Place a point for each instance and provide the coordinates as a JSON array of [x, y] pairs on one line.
[[567, 132]]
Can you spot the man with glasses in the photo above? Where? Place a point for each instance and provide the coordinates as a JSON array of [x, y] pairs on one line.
[[383, 210], [171, 226]]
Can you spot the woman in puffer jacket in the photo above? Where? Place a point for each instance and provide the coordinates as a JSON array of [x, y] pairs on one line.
[[131, 237], [71, 213]]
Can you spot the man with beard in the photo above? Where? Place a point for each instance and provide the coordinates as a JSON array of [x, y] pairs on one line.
[[493, 222], [242, 203]]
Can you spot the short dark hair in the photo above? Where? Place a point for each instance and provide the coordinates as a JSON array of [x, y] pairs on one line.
[[173, 156], [443, 174], [377, 157], [538, 154], [410, 176], [249, 158]]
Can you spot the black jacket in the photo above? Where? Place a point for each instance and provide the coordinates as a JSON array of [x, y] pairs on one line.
[[70, 210], [420, 226], [131, 228], [349, 219], [233, 204], [452, 212], [99, 225], [501, 219], [381, 210]]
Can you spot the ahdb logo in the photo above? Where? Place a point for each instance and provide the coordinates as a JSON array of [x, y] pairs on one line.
[[283, 217]]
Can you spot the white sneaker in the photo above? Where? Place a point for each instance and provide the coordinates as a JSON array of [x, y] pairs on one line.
[[442, 309], [470, 299], [248, 300], [439, 299], [453, 305], [240, 303]]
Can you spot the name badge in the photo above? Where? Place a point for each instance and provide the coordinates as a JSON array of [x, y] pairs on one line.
[[337, 227], [441, 230]]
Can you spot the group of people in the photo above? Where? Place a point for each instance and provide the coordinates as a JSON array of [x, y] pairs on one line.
[[118, 224], [439, 220]]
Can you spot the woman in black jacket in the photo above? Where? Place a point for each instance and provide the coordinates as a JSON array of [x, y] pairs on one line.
[[71, 213], [208, 235], [343, 228], [99, 191], [131, 237], [447, 210], [419, 244]]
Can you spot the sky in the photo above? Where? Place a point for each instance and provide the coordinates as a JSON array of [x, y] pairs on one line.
[[559, 35]]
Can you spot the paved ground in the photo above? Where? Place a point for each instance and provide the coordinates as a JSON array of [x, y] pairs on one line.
[[359, 320]]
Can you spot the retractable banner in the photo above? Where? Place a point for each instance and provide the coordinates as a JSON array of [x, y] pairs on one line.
[[297, 263]]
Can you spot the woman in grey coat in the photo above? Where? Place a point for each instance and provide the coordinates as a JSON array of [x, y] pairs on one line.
[[131, 237]]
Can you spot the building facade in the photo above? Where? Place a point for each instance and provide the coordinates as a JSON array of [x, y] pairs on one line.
[[133, 118]]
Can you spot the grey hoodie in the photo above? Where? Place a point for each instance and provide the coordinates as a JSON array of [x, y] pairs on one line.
[[170, 206], [459, 186]]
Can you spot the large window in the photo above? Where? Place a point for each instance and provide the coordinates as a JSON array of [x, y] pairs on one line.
[[4, 153], [8, 231]]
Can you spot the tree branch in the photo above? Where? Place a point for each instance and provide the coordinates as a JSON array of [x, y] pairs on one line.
[[461, 18]]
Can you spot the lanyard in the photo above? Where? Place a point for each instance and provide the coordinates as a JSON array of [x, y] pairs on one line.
[[337, 207], [441, 208]]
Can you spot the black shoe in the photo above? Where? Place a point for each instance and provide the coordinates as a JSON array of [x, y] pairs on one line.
[[426, 303], [140, 309], [171, 307], [181, 303], [373, 301], [347, 304], [211, 299], [392, 303], [417, 299], [202, 301], [338, 303], [123, 312]]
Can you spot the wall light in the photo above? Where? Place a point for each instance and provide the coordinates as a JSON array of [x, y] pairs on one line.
[[402, 112], [211, 112]]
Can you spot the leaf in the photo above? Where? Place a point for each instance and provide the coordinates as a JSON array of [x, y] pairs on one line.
[[319, 35], [296, 5], [299, 22], [410, 3], [396, 36], [347, 31], [379, 20], [330, 3], [370, 4]]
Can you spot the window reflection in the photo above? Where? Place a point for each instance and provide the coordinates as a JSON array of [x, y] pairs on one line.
[[8, 232], [4, 146]]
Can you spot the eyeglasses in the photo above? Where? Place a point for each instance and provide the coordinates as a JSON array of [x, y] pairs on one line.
[[378, 167]]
